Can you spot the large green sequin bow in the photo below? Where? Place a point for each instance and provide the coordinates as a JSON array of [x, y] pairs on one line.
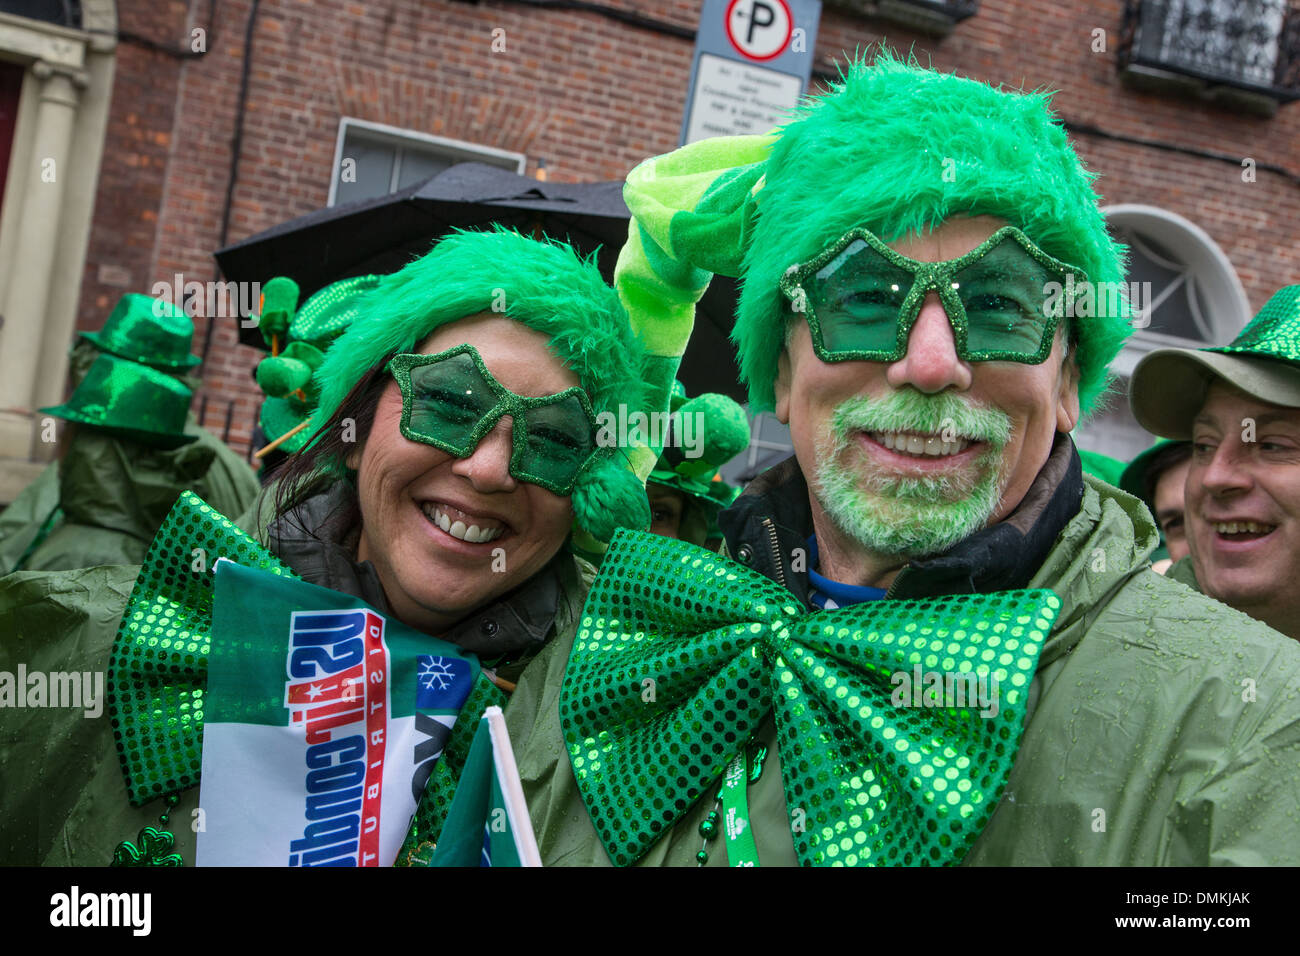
[[681, 654], [159, 670]]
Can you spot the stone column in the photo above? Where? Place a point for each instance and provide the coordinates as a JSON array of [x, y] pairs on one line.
[[24, 307]]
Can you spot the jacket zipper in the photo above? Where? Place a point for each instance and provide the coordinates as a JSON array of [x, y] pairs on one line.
[[776, 552]]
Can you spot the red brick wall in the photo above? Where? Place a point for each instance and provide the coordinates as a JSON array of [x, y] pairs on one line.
[[592, 97], [133, 170]]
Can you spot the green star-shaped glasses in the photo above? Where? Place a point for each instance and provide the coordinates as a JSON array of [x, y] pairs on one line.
[[451, 401], [1004, 298]]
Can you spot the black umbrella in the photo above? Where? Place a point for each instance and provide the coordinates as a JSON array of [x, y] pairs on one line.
[[383, 234]]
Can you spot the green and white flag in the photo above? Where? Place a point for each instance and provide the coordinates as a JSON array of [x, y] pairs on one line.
[[323, 720], [488, 823]]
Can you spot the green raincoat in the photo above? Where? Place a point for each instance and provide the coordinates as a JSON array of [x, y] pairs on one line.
[[1163, 729], [115, 493], [29, 518]]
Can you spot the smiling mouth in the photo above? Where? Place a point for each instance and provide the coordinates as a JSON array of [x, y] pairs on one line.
[[920, 444], [1242, 530], [462, 526]]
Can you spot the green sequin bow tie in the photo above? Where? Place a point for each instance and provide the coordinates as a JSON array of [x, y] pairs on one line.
[[681, 654], [158, 675]]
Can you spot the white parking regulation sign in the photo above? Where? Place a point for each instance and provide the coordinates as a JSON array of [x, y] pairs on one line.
[[752, 61], [759, 29]]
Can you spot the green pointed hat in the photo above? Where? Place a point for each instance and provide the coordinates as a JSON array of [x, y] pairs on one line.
[[130, 400], [1169, 385], [542, 284], [149, 331]]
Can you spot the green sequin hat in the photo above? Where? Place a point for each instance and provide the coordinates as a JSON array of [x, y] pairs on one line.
[[149, 331], [541, 284], [1169, 385], [130, 400], [899, 149], [288, 378]]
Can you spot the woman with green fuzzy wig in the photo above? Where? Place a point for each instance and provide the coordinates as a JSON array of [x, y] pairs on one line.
[[455, 453], [456, 505]]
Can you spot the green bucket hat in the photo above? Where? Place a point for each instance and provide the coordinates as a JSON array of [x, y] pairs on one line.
[[149, 331], [542, 284], [1169, 385], [130, 400]]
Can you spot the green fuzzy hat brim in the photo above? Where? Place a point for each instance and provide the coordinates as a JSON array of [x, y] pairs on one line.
[[873, 152], [541, 284]]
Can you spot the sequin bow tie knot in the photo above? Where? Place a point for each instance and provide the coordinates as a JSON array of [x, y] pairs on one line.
[[897, 721]]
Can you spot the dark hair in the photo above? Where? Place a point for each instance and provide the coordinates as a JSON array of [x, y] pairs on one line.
[[1162, 461], [322, 460]]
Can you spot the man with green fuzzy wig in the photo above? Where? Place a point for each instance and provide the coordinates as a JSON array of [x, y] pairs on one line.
[[938, 641]]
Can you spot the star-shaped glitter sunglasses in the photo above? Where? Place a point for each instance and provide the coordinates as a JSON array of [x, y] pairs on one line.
[[861, 298], [450, 401]]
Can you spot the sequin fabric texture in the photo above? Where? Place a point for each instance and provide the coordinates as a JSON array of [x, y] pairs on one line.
[[680, 654], [1274, 332], [158, 674]]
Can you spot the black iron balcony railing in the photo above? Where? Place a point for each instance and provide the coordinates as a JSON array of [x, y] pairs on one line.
[[1247, 45], [936, 17]]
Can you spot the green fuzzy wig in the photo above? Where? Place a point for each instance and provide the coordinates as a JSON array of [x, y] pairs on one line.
[[899, 149], [541, 284]]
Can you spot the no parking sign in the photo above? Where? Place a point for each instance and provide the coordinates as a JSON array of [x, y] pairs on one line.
[[752, 61], [759, 29]]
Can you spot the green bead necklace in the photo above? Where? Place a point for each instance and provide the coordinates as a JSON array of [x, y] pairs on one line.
[[708, 828]]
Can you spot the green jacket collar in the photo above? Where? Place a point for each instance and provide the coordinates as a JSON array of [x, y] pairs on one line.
[[1104, 544]]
